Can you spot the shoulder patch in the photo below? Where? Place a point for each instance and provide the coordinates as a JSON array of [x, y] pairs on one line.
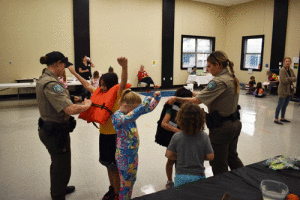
[[211, 85], [58, 89]]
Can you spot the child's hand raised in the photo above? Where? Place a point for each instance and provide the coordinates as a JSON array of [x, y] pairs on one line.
[[122, 61], [156, 94]]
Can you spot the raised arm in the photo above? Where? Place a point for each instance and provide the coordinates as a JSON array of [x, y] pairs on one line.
[[129, 117], [174, 99], [153, 103], [123, 62], [134, 114], [92, 64], [84, 82]]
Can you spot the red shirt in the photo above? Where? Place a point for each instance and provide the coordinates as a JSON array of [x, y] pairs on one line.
[[142, 75]]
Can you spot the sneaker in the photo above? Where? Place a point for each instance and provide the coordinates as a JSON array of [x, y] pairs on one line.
[[170, 184], [156, 86], [148, 91], [285, 120], [278, 122], [70, 189], [110, 194]]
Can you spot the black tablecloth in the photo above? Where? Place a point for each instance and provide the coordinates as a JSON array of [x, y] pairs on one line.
[[242, 183]]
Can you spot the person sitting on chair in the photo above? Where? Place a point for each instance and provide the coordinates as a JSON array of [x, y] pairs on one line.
[[193, 72], [144, 77], [273, 80]]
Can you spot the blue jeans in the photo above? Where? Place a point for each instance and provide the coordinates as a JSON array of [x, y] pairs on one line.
[[282, 104], [181, 179]]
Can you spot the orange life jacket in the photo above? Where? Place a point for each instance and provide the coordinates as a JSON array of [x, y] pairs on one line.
[[103, 104]]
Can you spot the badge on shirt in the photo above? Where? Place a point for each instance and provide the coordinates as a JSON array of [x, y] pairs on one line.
[[58, 89], [211, 85]]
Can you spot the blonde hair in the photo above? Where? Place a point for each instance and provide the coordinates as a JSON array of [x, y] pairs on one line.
[[287, 58], [130, 97], [190, 118], [221, 58]]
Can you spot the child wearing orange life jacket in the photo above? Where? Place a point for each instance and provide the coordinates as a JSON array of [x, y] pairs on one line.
[[259, 91], [108, 85]]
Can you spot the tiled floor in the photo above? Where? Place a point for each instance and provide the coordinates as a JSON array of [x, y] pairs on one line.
[[24, 169]]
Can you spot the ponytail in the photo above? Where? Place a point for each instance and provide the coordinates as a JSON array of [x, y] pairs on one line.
[[236, 81]]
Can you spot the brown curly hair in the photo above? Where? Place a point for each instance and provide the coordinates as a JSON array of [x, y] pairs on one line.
[[190, 118]]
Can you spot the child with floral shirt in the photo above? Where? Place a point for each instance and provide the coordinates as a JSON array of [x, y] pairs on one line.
[[127, 136]]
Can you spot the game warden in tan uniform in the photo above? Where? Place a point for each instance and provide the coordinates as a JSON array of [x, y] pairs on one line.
[[55, 123], [221, 97]]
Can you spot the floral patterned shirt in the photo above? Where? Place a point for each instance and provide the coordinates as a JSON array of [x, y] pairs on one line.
[[125, 125]]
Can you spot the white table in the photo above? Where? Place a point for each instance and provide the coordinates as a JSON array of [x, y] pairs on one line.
[[29, 85], [200, 80]]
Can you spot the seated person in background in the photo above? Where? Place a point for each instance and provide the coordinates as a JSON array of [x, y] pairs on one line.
[[191, 146], [273, 80], [110, 70], [193, 72], [95, 79], [143, 77], [167, 127], [251, 84], [259, 91], [63, 80]]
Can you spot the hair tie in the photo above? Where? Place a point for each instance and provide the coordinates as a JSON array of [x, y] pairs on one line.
[[233, 75]]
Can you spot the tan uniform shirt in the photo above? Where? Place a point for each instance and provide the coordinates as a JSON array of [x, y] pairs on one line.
[[52, 98], [220, 95]]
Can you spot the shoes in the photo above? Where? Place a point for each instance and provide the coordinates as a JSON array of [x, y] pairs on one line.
[[156, 86], [284, 120], [148, 91], [170, 184], [110, 194], [70, 189], [278, 122]]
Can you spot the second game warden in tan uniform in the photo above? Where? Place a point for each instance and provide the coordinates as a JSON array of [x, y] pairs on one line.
[[56, 123], [223, 120]]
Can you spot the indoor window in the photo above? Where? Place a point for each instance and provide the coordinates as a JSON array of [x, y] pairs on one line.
[[195, 50], [252, 52]]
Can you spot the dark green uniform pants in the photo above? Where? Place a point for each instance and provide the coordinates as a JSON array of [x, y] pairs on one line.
[[224, 141], [60, 169]]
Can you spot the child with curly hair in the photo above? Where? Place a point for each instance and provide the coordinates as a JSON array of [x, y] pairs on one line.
[[191, 146], [167, 127]]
